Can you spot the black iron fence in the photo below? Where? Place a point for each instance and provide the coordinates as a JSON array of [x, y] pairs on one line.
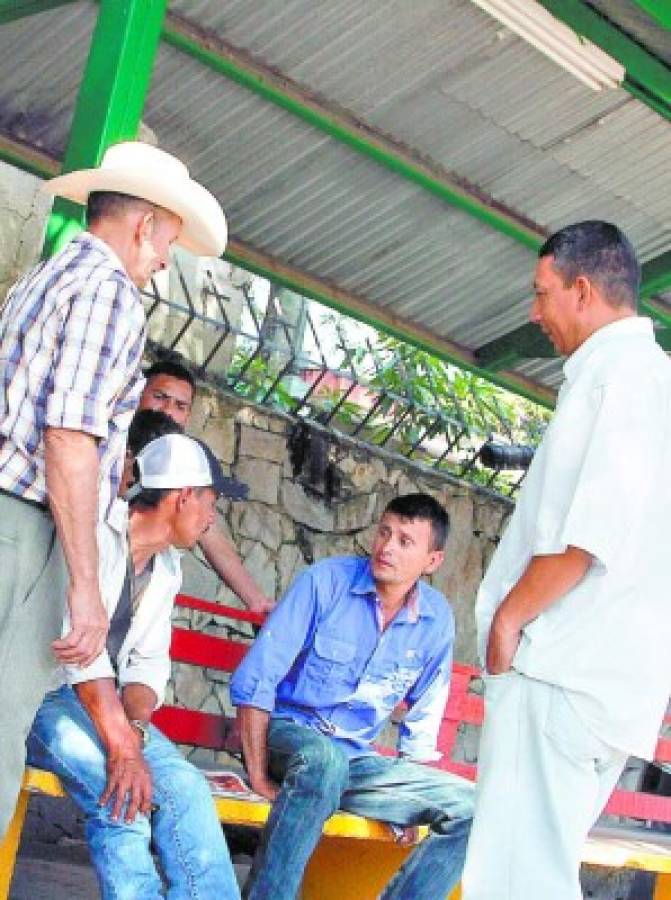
[[315, 365]]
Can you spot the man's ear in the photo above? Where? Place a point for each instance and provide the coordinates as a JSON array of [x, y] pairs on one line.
[[585, 289], [144, 226], [436, 558], [183, 496]]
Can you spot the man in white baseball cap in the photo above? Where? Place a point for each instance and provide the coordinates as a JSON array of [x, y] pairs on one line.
[[72, 333], [93, 731]]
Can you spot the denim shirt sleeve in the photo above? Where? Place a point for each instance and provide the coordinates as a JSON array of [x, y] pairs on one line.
[[277, 645], [418, 732]]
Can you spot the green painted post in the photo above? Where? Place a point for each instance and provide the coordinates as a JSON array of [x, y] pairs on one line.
[[111, 96]]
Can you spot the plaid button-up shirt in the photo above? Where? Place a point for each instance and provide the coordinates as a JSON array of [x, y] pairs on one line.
[[72, 334]]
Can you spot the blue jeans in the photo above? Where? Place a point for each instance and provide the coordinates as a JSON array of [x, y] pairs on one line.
[[185, 830], [318, 778]]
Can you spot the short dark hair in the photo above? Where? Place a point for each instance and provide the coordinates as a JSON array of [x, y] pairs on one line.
[[172, 364], [426, 508], [104, 204], [603, 253], [147, 425]]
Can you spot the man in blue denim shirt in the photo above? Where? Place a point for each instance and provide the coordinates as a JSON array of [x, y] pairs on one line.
[[350, 640]]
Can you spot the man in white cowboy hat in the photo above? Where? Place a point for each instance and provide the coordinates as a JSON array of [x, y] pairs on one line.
[[93, 730], [72, 334]]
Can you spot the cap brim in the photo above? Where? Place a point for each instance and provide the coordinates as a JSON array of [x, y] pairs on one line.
[[204, 230], [231, 488]]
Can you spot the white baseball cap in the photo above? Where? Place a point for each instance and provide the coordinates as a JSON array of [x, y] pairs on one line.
[[176, 461]]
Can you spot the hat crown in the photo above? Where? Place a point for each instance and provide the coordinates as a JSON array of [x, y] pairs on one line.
[[173, 461], [136, 155]]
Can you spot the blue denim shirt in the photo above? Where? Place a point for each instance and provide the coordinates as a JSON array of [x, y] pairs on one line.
[[323, 661]]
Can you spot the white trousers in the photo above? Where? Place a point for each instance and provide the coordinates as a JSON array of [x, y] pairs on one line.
[[543, 780]]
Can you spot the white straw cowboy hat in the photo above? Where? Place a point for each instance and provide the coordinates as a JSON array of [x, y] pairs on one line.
[[141, 170]]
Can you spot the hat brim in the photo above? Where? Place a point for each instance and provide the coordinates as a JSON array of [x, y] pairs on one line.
[[204, 231]]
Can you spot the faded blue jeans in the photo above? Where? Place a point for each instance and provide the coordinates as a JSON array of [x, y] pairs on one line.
[[318, 778], [185, 830]]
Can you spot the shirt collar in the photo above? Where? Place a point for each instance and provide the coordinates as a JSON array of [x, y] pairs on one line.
[[117, 516], [415, 606], [631, 326], [85, 237]]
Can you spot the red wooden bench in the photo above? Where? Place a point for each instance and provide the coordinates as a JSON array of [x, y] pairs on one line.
[[374, 856]]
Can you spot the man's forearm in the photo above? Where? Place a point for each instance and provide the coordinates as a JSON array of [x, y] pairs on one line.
[[221, 555], [128, 777], [545, 580], [139, 701], [254, 736], [71, 464], [103, 704]]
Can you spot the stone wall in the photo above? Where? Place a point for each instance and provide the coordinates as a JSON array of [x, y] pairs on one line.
[[289, 521], [23, 211]]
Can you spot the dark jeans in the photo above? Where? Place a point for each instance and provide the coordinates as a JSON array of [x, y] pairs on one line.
[[318, 778]]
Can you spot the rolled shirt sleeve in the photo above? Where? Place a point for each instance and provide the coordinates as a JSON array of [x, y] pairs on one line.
[[100, 342], [277, 645], [605, 486], [418, 732]]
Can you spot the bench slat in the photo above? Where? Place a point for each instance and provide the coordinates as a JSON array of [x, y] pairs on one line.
[[206, 650], [218, 609], [190, 726]]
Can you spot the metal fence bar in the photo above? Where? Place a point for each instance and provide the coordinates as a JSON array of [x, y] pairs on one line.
[[443, 435]]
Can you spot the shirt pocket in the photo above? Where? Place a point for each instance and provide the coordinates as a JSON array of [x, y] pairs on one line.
[[331, 657]]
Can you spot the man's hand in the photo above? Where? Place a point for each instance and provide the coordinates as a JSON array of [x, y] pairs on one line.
[[544, 581], [504, 639], [88, 629], [406, 835], [260, 604], [128, 780], [264, 787], [222, 556]]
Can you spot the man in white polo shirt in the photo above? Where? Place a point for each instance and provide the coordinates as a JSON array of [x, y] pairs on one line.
[[573, 618]]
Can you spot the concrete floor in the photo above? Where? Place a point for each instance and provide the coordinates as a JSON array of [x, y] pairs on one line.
[[63, 872]]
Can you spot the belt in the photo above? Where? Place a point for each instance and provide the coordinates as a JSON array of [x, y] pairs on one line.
[[36, 503]]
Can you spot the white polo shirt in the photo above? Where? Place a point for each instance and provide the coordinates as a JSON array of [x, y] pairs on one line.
[[600, 481]]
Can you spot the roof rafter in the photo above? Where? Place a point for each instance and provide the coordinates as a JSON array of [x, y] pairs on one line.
[[241, 254], [341, 125], [11, 10], [648, 78]]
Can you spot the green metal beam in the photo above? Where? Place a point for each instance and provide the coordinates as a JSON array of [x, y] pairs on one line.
[[659, 10], [529, 342], [111, 96], [11, 10], [240, 68], [647, 76], [525, 342]]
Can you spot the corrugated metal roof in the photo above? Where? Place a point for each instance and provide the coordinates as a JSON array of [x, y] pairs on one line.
[[439, 77]]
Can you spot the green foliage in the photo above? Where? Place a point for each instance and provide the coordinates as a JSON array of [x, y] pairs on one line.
[[414, 403]]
